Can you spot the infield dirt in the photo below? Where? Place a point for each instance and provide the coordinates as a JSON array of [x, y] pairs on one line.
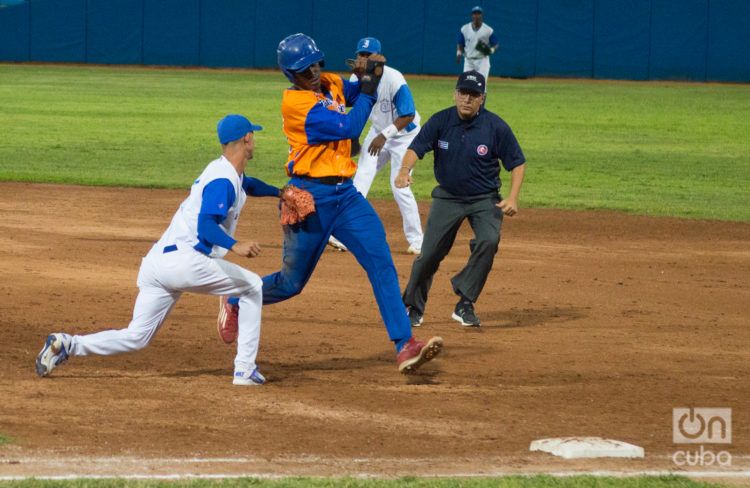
[[594, 323]]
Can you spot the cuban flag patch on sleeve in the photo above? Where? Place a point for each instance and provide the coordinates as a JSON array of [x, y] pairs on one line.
[[442, 144]]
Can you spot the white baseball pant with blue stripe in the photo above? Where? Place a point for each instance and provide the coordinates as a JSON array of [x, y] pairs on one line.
[[162, 279]]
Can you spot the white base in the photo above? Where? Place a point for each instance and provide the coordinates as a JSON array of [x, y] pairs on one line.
[[586, 447]]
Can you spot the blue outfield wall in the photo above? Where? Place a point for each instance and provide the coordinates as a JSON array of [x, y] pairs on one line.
[[171, 32], [58, 30], [224, 28], [679, 39], [728, 27], [15, 37], [702, 40], [114, 31], [622, 53], [565, 38]]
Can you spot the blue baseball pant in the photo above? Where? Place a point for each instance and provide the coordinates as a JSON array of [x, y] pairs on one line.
[[342, 211]]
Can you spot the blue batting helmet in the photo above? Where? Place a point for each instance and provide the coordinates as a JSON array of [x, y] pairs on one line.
[[368, 45], [297, 53]]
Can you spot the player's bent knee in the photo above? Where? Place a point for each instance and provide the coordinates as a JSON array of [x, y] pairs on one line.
[[282, 286], [139, 340], [293, 288], [290, 287], [255, 284], [252, 284], [488, 244]]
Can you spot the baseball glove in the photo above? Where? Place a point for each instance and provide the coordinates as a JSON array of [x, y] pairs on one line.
[[296, 205], [483, 48], [370, 79]]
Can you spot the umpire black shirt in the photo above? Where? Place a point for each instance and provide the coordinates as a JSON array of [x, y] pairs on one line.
[[467, 151]]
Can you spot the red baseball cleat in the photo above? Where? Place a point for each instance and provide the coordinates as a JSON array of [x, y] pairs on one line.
[[415, 353], [226, 323]]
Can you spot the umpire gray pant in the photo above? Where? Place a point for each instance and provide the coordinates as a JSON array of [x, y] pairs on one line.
[[447, 213]]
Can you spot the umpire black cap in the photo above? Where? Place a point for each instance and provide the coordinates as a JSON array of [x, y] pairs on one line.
[[471, 81]]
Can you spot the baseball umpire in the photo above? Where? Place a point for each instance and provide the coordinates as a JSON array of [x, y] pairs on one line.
[[468, 141]]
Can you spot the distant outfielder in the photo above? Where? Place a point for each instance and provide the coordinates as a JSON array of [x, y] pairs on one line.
[[476, 42], [188, 258], [395, 123]]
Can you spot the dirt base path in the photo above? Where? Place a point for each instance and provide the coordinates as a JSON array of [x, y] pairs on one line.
[[595, 324]]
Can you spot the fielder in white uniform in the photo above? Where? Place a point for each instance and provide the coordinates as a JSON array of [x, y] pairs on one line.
[[394, 124], [468, 37], [188, 258]]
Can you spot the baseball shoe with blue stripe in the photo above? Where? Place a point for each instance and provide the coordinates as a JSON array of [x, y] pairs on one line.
[[245, 378], [53, 354]]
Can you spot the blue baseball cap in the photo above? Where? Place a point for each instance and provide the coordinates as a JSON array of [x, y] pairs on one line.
[[477, 10], [368, 45], [233, 127]]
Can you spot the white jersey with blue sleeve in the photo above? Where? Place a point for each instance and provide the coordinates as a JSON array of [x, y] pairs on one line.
[[468, 38], [183, 230], [182, 261], [394, 100]]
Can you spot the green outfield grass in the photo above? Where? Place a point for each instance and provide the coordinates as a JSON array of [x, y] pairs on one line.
[[673, 149], [505, 482]]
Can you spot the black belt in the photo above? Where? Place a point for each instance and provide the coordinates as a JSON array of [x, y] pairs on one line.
[[326, 180]]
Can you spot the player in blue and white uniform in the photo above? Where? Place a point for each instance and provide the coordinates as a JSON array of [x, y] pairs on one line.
[[470, 34], [188, 258], [394, 124]]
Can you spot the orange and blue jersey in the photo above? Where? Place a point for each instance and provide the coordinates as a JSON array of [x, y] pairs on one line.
[[319, 130]]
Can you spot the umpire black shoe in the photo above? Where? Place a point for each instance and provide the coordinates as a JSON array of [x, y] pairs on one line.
[[414, 317], [465, 314]]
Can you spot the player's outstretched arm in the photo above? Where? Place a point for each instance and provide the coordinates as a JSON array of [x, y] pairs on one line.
[[404, 178], [509, 205], [379, 141], [494, 43], [461, 43], [255, 187], [323, 125], [247, 249], [421, 145], [403, 102]]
